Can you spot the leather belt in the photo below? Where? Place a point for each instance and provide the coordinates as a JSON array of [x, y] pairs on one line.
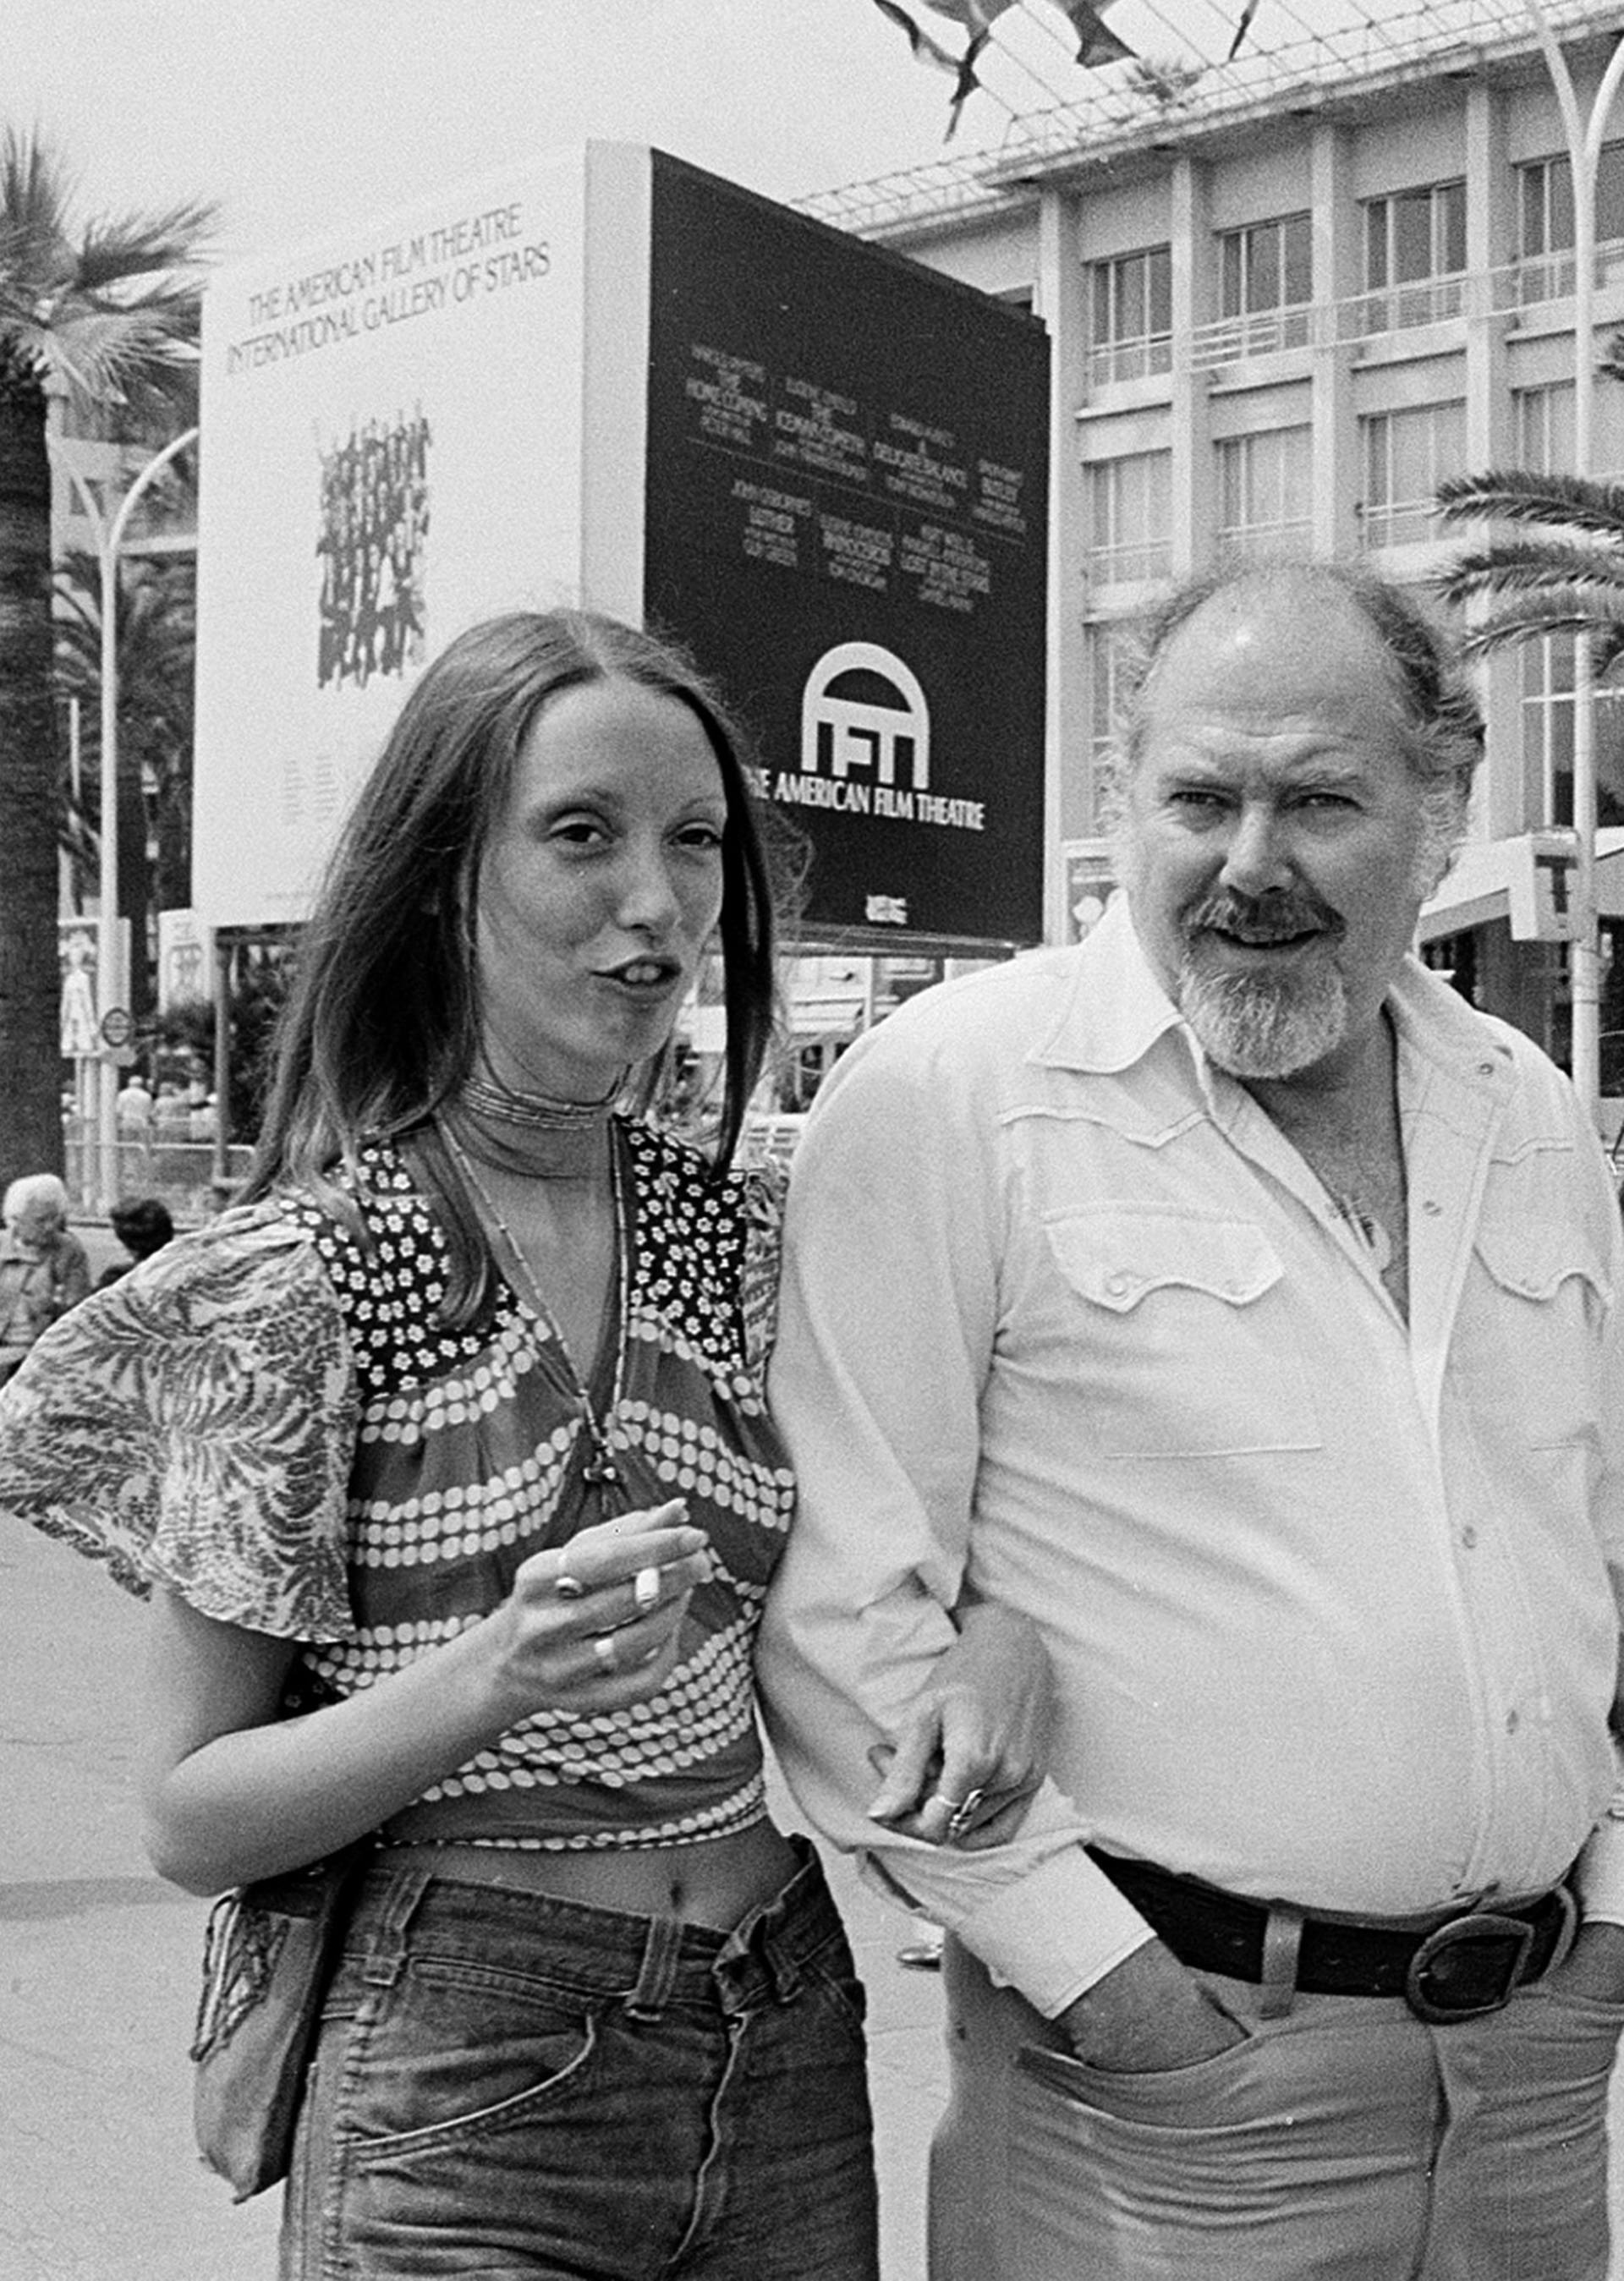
[[1448, 1967]]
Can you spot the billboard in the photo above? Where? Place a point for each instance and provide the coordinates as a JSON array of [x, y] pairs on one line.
[[391, 448], [846, 518], [609, 377]]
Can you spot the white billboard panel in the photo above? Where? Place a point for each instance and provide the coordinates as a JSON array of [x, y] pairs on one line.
[[392, 448]]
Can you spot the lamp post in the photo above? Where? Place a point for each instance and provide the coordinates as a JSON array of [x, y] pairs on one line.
[[1584, 150], [109, 539]]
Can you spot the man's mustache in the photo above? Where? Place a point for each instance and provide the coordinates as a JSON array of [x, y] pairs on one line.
[[1264, 918]]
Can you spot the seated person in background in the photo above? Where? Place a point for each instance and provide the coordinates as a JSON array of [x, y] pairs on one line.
[[43, 1271]]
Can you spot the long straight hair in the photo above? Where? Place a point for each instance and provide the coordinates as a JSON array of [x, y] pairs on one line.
[[381, 1024]]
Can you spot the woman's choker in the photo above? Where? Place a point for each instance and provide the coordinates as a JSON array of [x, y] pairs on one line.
[[489, 1099], [531, 1135]]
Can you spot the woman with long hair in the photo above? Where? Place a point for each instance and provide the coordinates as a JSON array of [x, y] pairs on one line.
[[446, 1459]]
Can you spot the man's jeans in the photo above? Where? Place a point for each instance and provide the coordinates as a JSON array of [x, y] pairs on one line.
[[511, 2086], [1347, 2141]]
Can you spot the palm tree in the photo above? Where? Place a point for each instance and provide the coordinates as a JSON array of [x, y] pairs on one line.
[[1566, 577], [1558, 571], [102, 315], [154, 649]]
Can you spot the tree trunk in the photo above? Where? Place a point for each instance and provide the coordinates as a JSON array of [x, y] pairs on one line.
[[30, 981]]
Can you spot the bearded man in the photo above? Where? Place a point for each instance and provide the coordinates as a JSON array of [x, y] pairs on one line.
[[1229, 1296]]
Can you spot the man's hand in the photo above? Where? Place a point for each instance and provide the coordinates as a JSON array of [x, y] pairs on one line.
[[1150, 2013], [1594, 1967]]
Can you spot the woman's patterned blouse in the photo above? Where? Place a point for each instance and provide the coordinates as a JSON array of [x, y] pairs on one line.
[[267, 1417]]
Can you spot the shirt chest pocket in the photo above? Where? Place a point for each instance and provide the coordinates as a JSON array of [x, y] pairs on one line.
[[1175, 1319], [1525, 1357]]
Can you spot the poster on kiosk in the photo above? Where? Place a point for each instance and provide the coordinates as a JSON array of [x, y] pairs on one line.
[[607, 378]]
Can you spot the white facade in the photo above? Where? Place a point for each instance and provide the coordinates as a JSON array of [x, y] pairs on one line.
[[1275, 328]]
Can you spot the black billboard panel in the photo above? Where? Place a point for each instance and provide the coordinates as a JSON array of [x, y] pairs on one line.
[[846, 519]]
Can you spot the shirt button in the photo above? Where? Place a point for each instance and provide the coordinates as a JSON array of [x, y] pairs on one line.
[[1485, 1069], [1468, 1536], [1117, 1283], [1431, 1207]]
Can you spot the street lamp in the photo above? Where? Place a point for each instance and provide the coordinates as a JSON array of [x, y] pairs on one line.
[[1584, 152], [109, 539]]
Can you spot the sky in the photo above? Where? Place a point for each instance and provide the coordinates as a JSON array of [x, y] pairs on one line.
[[298, 114]]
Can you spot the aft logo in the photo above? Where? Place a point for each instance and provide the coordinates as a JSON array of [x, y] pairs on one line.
[[863, 713]]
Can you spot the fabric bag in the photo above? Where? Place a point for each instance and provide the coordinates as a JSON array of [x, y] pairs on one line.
[[269, 1953]]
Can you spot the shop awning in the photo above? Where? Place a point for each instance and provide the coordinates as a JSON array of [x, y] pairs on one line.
[[1524, 881]]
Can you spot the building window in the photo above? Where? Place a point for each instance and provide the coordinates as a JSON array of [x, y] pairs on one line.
[[1548, 737], [1415, 255], [1130, 518], [1131, 316], [1545, 219], [1264, 493], [1110, 655], [1406, 454], [1266, 283], [1543, 429]]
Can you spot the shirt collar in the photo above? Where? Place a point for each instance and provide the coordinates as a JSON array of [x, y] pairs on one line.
[[1117, 1012]]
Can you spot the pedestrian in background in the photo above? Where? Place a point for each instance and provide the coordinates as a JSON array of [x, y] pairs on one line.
[[133, 1106], [453, 1439], [1227, 1295], [43, 1270], [142, 1225]]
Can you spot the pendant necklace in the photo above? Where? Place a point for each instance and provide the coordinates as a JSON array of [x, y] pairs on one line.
[[1371, 1232], [600, 1469]]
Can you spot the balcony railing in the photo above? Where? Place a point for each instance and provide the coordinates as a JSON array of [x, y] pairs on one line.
[[1130, 565], [1136, 359], [1397, 523], [1260, 333], [1385, 313], [1261, 542], [1401, 308]]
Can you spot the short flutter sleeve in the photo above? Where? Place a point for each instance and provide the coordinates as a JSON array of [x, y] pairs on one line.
[[193, 1424], [765, 1190]]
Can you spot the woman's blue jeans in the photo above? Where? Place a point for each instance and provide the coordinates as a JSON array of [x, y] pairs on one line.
[[508, 2085]]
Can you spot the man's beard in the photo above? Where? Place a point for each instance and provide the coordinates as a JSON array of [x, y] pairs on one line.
[[1262, 1025]]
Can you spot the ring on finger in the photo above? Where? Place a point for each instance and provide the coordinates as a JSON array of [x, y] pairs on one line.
[[604, 1649], [964, 1812], [569, 1587], [645, 1590]]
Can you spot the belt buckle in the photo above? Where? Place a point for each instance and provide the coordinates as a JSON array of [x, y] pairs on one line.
[[1504, 1940]]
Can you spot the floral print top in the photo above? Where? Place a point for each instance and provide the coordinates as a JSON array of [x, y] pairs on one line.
[[269, 1417]]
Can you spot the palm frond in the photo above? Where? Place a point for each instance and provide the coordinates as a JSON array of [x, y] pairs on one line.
[[1521, 566], [161, 245], [97, 354], [1521, 495], [37, 187], [108, 311], [36, 265], [1558, 610]]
